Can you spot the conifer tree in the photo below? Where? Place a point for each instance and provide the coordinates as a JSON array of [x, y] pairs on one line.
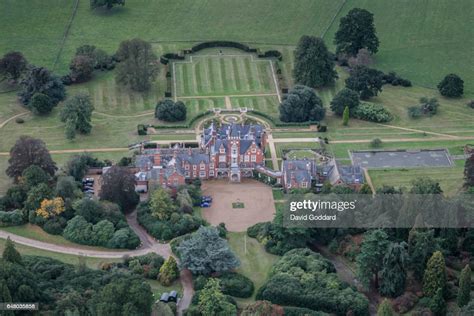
[[385, 309], [464, 293], [435, 274], [10, 254], [169, 271], [345, 116]]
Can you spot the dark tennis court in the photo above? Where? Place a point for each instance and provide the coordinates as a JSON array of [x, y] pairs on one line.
[[401, 158]]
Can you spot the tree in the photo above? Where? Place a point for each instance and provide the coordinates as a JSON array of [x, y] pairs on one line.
[[429, 106], [345, 98], [41, 80], [213, 302], [81, 68], [262, 308], [301, 104], [184, 200], [421, 245], [67, 188], [12, 66], [169, 111], [76, 113], [51, 208], [205, 252], [435, 274], [385, 309], [370, 259], [345, 116], [467, 310], [138, 66], [108, 4], [10, 254], [102, 232], [169, 271], [29, 151], [376, 143], [161, 205], [41, 104], [452, 86], [78, 165], [34, 175], [36, 195], [363, 58], [394, 270], [425, 186], [438, 304], [469, 172], [314, 64], [464, 294], [5, 297], [356, 31], [366, 81], [118, 186]]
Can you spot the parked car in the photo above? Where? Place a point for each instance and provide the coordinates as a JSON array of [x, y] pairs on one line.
[[205, 204], [207, 199], [89, 191]]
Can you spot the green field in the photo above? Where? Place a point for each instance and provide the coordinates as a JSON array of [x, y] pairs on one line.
[[450, 179], [228, 74]]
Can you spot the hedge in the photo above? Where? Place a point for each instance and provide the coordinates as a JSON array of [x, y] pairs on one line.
[[12, 218], [231, 44], [232, 283], [143, 128], [281, 124]]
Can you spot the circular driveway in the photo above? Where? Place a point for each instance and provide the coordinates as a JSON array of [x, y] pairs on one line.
[[256, 197]]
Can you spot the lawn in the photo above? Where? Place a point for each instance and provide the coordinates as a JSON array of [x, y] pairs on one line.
[[159, 289], [255, 262], [231, 73], [90, 262], [288, 146], [5, 181], [450, 179]]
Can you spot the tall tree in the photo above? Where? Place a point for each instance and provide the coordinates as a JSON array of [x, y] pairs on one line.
[[345, 116], [170, 111], [370, 259], [12, 66], [108, 4], [205, 252], [34, 175], [425, 186], [438, 304], [421, 245], [452, 86], [469, 171], [385, 309], [29, 151], [41, 80], [464, 293], [169, 271], [345, 98], [435, 274], [301, 104], [10, 254], [394, 270], [5, 296], [213, 302], [81, 68], [41, 104], [314, 64], [77, 113], [138, 66], [366, 81], [161, 205], [356, 31], [118, 186]]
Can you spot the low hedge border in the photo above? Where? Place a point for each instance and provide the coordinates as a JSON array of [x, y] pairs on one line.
[[142, 129], [282, 124]]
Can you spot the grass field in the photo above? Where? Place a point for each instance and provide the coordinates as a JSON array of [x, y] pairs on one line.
[[450, 179], [255, 262], [228, 74]]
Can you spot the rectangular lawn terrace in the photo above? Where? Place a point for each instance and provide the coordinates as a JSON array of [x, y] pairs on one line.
[[223, 75], [401, 158]]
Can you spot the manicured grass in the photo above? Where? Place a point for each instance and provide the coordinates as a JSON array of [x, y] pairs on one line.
[[5, 181], [301, 154], [264, 104], [289, 134], [450, 179], [281, 146], [455, 147], [255, 262], [37, 233], [90, 262], [191, 137], [232, 73], [278, 194]]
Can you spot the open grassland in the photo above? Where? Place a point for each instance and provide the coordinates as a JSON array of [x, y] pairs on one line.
[[450, 179], [255, 262], [421, 40], [228, 74]]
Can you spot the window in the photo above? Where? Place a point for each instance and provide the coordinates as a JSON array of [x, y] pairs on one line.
[[186, 167], [254, 150], [211, 166], [194, 167], [211, 173], [253, 158], [234, 160], [304, 184], [246, 158], [203, 166], [175, 182], [202, 174], [186, 174], [221, 158], [222, 150]]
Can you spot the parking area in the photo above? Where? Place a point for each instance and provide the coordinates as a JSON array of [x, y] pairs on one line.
[[401, 158], [238, 205]]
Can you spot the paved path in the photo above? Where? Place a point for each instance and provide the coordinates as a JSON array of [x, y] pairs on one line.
[[228, 104], [273, 152]]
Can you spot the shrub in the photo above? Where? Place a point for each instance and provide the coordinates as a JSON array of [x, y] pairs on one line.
[[471, 104], [372, 113], [232, 283], [19, 120], [395, 80], [414, 112], [452, 86], [142, 129], [376, 143], [55, 225], [12, 218], [345, 98]]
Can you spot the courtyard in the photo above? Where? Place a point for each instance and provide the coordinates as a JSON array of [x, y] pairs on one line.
[[255, 201]]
